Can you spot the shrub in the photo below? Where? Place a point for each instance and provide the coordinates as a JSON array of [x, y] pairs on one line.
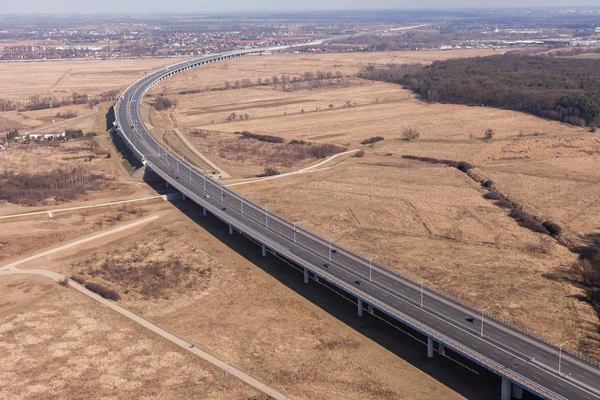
[[592, 129], [324, 150], [262, 138], [360, 153], [552, 227], [464, 166], [487, 184], [64, 282], [527, 221], [410, 134], [492, 196], [103, 291], [79, 279], [269, 171], [302, 142], [373, 139], [91, 134], [488, 134], [12, 134], [162, 103], [505, 204], [73, 133]]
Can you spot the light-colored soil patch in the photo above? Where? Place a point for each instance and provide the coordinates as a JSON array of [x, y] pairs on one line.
[[57, 343]]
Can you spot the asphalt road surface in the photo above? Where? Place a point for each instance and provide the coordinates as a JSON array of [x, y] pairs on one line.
[[506, 351]]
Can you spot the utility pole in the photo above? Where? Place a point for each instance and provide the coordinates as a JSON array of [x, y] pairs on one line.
[[560, 355]]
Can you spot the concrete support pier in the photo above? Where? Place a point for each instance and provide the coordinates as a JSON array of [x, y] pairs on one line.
[[183, 196], [360, 307], [264, 250], [305, 275], [429, 347], [231, 229], [441, 348], [505, 392], [370, 309], [166, 184], [204, 211], [517, 391]]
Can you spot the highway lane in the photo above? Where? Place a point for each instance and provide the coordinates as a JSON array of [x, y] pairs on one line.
[[500, 343]]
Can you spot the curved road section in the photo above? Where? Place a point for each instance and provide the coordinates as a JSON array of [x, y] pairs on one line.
[[521, 359]]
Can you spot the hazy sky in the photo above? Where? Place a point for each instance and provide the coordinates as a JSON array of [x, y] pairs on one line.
[[116, 6]]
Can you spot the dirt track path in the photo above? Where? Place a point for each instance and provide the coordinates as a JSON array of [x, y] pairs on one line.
[[11, 269]]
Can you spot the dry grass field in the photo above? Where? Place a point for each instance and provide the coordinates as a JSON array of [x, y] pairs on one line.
[[39, 158], [254, 67], [428, 221], [433, 223], [59, 344], [343, 115], [221, 295], [28, 236], [21, 80]]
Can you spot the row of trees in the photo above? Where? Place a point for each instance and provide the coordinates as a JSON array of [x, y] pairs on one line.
[[563, 89], [38, 102], [32, 189]]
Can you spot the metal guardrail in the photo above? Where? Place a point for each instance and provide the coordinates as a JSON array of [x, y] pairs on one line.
[[577, 356], [438, 336]]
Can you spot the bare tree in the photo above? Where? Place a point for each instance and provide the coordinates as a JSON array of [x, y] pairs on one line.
[[488, 135], [93, 145], [410, 134]]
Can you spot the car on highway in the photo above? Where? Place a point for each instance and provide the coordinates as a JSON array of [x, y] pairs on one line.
[[326, 265]]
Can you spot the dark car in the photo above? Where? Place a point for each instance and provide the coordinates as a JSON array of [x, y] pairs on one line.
[[334, 251], [470, 319], [357, 283], [326, 265]]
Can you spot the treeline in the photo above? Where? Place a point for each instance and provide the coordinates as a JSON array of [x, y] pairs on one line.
[[262, 138], [38, 102], [32, 189], [287, 83], [563, 89]]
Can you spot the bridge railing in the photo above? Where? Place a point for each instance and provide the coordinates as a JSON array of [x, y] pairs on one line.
[[576, 355]]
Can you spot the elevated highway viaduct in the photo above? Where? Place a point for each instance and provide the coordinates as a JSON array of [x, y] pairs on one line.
[[523, 360]]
